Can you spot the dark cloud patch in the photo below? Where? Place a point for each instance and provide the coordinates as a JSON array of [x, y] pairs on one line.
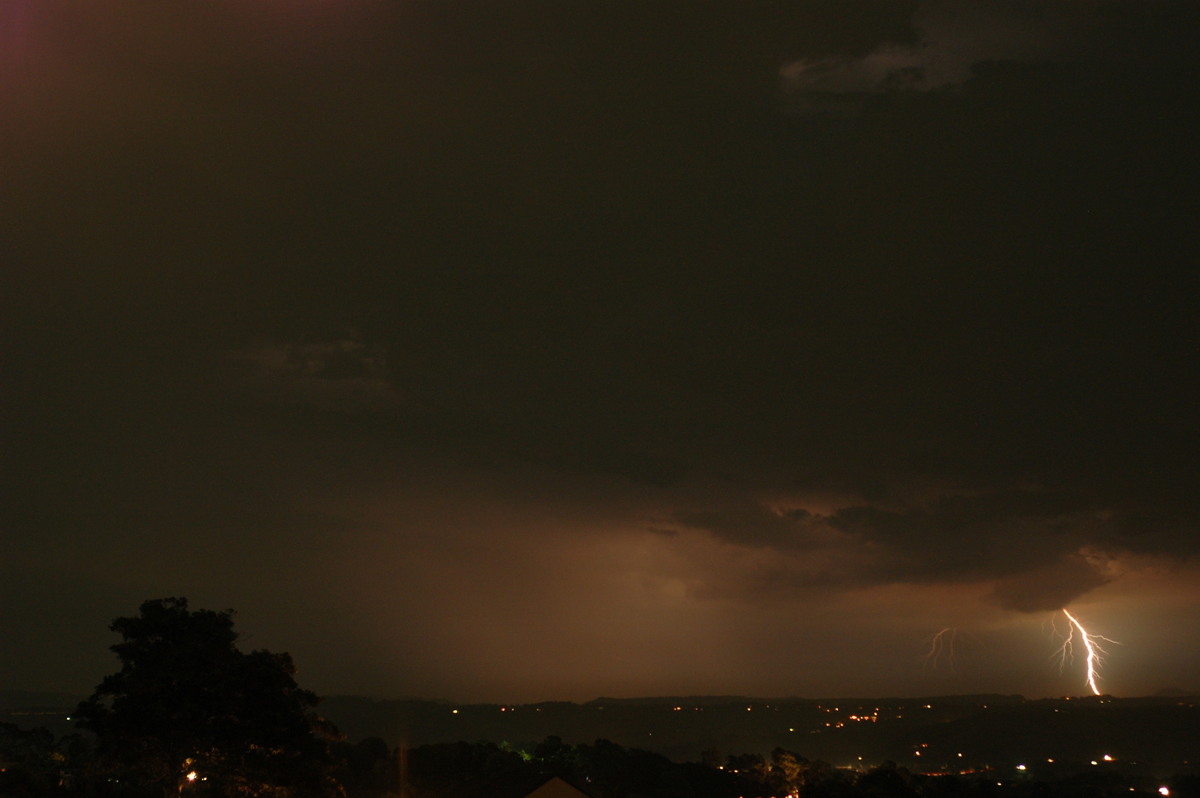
[[343, 374], [969, 543], [1041, 549], [1049, 586], [755, 525], [973, 534]]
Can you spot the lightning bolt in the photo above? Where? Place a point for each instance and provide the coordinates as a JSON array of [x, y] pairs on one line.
[[941, 647], [1091, 644]]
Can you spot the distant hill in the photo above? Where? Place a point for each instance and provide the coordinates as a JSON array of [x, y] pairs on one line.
[[690, 700], [720, 700], [31, 709]]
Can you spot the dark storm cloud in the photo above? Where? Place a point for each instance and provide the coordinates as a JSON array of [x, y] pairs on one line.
[[750, 274], [1042, 550], [341, 374], [972, 536], [755, 525], [1051, 585]]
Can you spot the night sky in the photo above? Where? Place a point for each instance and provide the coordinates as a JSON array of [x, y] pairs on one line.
[[550, 349]]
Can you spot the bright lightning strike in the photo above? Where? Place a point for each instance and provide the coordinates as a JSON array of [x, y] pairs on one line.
[[1091, 644], [941, 648]]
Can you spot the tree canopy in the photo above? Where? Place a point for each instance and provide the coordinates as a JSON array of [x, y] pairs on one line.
[[189, 710]]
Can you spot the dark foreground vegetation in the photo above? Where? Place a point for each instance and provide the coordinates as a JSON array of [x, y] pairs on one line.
[[189, 715], [38, 766]]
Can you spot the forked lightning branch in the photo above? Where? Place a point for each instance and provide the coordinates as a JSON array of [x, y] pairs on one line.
[[1091, 643]]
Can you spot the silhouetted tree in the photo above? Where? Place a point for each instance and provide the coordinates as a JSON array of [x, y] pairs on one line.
[[367, 768], [466, 770], [749, 764], [188, 711], [787, 770], [886, 781]]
